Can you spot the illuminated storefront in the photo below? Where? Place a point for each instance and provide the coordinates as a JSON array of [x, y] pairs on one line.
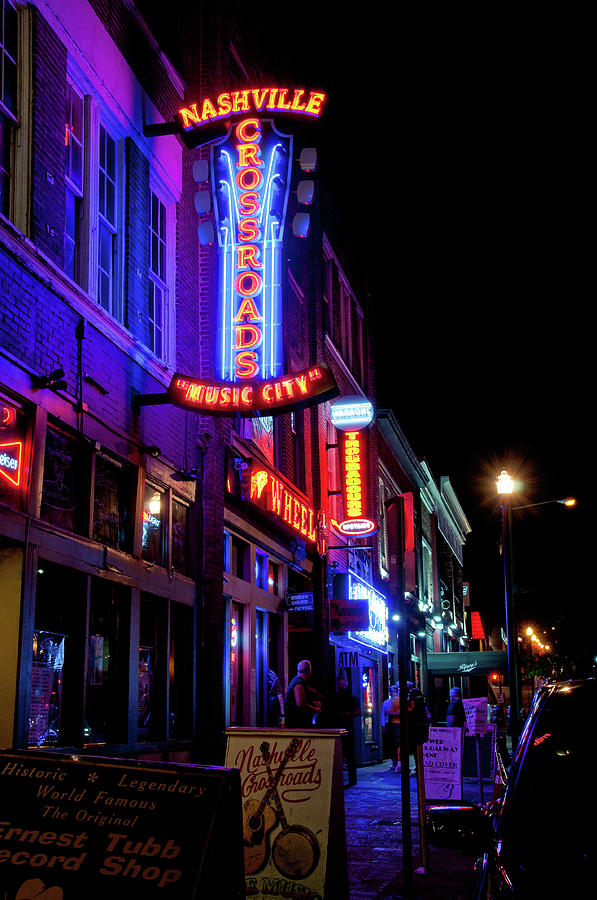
[[362, 654]]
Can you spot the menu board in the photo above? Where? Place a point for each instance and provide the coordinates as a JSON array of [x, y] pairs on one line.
[[442, 764], [75, 827], [293, 811]]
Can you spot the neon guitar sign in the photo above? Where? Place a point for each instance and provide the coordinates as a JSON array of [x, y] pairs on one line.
[[251, 173]]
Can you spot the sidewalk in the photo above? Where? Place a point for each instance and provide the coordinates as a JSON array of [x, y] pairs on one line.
[[374, 842]]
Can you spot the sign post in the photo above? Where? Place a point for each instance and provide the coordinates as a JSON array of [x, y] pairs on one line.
[[442, 762], [475, 710]]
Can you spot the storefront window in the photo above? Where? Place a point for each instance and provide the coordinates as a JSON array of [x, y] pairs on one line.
[[236, 650], [55, 710], [106, 699], [261, 570], [180, 536], [273, 571], [239, 558], [45, 710], [181, 672], [112, 504], [261, 666], [64, 500], [153, 525], [148, 687], [154, 662], [367, 704]]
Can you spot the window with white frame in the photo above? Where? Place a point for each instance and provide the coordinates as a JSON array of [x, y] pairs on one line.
[[107, 267], [9, 41], [158, 288], [73, 177]]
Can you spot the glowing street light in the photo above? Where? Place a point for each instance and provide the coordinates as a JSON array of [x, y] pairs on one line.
[[504, 483], [505, 488]]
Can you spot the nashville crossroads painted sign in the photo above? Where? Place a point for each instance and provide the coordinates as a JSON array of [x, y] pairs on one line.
[[305, 388]]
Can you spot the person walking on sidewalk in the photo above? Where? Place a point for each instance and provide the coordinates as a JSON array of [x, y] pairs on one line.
[[390, 720], [455, 715], [339, 711], [301, 702]]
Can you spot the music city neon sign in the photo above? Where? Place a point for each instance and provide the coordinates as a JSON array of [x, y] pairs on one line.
[[313, 385]]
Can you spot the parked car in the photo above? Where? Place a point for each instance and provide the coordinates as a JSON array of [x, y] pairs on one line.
[[539, 838]]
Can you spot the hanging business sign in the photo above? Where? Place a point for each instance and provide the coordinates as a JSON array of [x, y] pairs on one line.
[[267, 490], [251, 173], [351, 413], [348, 615], [275, 395], [251, 101], [354, 466], [372, 629]]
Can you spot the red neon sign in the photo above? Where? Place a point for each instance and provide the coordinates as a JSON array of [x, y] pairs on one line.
[[252, 100], [289, 391], [354, 476], [247, 325], [353, 446], [11, 454], [272, 494]]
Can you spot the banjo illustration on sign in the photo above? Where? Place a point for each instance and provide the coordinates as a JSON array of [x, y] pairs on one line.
[[295, 850]]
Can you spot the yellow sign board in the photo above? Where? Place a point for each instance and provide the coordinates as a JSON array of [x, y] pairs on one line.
[[293, 810]]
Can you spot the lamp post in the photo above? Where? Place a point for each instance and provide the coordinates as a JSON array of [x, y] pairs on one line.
[[505, 489]]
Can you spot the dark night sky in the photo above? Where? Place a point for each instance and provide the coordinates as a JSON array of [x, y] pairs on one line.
[[455, 153], [455, 150]]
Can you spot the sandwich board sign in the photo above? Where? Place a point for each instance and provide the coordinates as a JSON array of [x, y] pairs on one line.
[[85, 826]]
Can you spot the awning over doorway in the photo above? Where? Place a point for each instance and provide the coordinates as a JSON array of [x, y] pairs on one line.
[[481, 662]]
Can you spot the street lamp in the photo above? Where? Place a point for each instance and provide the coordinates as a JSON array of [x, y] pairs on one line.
[[505, 489]]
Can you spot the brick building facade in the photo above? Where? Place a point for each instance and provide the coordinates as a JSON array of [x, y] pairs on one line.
[[147, 595]]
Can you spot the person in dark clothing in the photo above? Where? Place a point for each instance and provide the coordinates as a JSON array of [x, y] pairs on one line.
[[339, 712], [275, 700], [455, 716], [301, 702]]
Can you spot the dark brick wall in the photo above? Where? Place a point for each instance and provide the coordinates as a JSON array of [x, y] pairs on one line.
[[136, 241], [49, 97]]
